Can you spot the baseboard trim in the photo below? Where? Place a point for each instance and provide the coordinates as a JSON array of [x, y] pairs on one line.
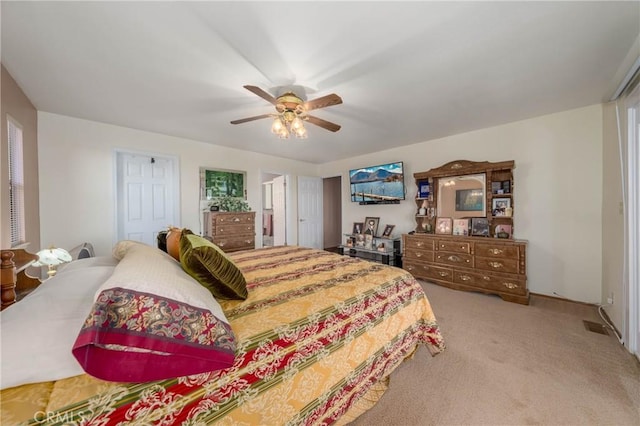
[[546, 296]]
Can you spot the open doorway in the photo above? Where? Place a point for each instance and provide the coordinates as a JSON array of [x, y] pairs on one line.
[[274, 209], [332, 212]]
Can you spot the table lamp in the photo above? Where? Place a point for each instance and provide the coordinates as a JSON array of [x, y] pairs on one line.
[[52, 257]]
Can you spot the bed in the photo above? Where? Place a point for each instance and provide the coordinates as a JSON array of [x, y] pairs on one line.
[[315, 341]]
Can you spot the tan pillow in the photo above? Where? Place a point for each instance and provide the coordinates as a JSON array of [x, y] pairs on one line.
[[211, 267]]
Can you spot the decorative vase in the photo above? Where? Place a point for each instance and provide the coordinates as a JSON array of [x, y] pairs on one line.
[[422, 211], [508, 212]]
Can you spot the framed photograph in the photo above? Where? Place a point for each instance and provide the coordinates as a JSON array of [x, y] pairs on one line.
[[469, 200], [357, 228], [371, 225], [222, 183], [479, 227], [460, 226], [496, 187], [423, 189], [503, 231], [360, 240], [499, 206], [368, 241], [388, 229], [443, 225]]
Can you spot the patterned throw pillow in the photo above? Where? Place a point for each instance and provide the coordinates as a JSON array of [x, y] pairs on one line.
[[151, 321], [212, 268]]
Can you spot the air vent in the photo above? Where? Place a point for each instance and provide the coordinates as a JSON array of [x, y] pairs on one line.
[[595, 327]]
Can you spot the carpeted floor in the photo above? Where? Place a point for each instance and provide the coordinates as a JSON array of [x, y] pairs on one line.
[[510, 364]]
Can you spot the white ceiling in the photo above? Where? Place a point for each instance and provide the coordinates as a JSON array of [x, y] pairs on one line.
[[407, 71]]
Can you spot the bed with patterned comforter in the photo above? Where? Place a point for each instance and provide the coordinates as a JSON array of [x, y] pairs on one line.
[[316, 338]]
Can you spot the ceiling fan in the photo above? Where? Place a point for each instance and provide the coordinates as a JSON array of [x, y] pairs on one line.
[[292, 111]]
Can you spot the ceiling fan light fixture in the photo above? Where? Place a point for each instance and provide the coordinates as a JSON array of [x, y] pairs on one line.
[[277, 126], [283, 133], [300, 132]]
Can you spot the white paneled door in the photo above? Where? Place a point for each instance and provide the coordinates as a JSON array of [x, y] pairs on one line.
[[310, 212], [145, 196]]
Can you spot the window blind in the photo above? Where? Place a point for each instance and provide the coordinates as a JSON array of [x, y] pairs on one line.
[[16, 183]]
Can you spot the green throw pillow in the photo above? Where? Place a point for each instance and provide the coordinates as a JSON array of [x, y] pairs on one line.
[[211, 267]]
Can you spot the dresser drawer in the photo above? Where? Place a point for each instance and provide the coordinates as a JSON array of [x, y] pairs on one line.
[[454, 246], [234, 218], [427, 271], [455, 259], [417, 243], [497, 250], [232, 229], [417, 254], [496, 282], [235, 243], [497, 264]]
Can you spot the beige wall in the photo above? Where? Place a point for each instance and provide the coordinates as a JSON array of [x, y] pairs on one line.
[[18, 106], [77, 181], [557, 192]]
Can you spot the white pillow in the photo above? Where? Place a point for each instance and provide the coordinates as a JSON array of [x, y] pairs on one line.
[[38, 332]]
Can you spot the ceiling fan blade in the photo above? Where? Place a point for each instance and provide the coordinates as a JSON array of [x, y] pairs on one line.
[[264, 95], [323, 102], [244, 120], [322, 123]]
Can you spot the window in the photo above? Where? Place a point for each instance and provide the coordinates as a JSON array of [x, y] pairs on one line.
[[16, 183]]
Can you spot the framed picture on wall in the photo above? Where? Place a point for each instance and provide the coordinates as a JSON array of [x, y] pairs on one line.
[[388, 229]]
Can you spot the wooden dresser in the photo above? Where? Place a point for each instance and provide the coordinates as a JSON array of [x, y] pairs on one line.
[[231, 231], [489, 265]]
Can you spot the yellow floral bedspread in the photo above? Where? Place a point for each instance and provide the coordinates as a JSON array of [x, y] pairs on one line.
[[316, 336]]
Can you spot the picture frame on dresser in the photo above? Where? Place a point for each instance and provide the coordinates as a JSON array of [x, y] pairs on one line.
[[371, 225], [460, 226], [499, 206], [479, 227], [443, 225], [388, 229], [357, 228]]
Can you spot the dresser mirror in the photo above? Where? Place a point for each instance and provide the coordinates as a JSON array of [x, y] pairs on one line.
[[462, 196]]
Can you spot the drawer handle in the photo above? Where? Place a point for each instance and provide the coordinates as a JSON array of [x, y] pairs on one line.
[[409, 268], [236, 219], [465, 277], [442, 245], [463, 248], [510, 285], [248, 241], [453, 258], [495, 251], [496, 265], [443, 274], [486, 278], [426, 268], [419, 244], [418, 254], [221, 244]]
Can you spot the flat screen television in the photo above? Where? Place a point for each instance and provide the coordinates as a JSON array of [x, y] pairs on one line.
[[382, 184]]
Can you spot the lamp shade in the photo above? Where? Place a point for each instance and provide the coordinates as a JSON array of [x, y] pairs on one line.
[[52, 257]]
